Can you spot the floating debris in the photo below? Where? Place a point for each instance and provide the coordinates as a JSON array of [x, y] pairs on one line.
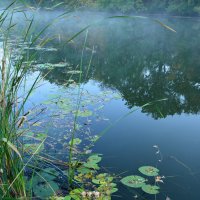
[[51, 66], [74, 72], [40, 49]]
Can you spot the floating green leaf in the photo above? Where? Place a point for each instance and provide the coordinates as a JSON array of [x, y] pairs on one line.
[[133, 181], [76, 141], [84, 170], [114, 190], [76, 194], [96, 181], [49, 173], [85, 113], [91, 165], [46, 189], [149, 170], [94, 159], [32, 148], [41, 136], [150, 189], [67, 198]]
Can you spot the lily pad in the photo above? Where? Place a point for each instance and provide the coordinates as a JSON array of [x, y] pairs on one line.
[[51, 172], [150, 189], [85, 113], [84, 170], [76, 194], [34, 148], [76, 141], [41, 136], [133, 181], [45, 190], [91, 165], [149, 170], [114, 190], [94, 159], [67, 198], [96, 181]]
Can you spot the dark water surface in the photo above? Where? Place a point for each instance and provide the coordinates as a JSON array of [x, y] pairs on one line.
[[134, 62]]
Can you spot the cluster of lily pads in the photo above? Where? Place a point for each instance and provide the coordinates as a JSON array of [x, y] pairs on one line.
[[93, 184], [43, 183], [135, 181]]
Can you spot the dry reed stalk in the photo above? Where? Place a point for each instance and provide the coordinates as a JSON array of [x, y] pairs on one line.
[[3, 78]]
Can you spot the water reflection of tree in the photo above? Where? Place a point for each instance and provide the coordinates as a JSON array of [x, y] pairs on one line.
[[146, 63]]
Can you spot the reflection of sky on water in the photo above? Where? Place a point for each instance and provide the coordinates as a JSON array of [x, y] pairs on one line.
[[129, 144], [144, 64]]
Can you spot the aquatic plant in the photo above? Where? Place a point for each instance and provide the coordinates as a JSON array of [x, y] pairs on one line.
[[135, 181], [15, 156]]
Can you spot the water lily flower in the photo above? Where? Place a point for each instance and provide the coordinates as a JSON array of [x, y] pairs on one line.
[[84, 194], [96, 194]]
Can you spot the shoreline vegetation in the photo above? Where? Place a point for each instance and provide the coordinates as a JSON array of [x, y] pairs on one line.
[[143, 7]]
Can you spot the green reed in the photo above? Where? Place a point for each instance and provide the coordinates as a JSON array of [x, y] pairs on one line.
[[12, 102]]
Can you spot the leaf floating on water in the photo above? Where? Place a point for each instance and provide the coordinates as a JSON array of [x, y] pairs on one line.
[[85, 113], [94, 159], [149, 170], [96, 181], [76, 194], [150, 189], [84, 170], [67, 198], [114, 190], [92, 162], [46, 189], [91, 165], [133, 181], [41, 136], [76, 141], [51, 172], [32, 148]]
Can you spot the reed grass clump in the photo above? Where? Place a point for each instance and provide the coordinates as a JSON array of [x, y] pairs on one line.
[[12, 101]]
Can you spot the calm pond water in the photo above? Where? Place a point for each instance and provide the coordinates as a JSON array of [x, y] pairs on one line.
[[134, 62]]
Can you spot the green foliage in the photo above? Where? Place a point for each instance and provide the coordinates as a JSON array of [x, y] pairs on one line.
[[84, 113], [76, 141], [149, 171], [43, 184], [87, 176], [45, 190], [150, 189], [133, 181]]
